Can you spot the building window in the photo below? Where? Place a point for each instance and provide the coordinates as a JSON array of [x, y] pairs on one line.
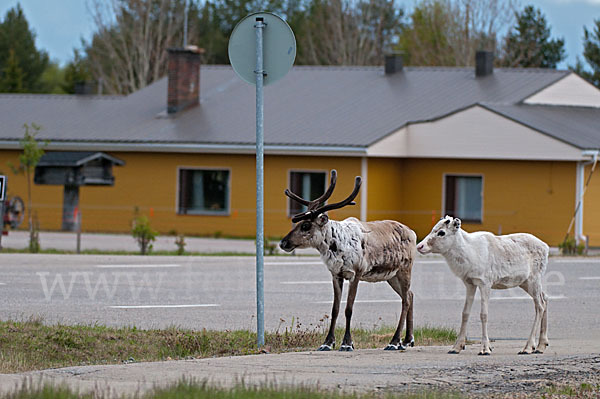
[[308, 185], [203, 191], [464, 197]]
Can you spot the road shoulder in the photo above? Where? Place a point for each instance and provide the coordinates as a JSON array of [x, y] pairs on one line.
[[362, 370]]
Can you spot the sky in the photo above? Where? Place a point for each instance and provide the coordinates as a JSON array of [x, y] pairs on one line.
[[60, 24]]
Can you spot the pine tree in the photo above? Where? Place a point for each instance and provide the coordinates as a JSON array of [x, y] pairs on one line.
[[11, 79], [16, 35], [591, 53], [528, 44], [76, 72]]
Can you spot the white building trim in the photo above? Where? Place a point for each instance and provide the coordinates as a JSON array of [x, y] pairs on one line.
[[580, 189], [474, 133], [572, 90], [364, 172]]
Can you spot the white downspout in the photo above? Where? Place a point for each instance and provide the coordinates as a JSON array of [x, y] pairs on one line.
[[579, 184], [364, 171], [580, 192]]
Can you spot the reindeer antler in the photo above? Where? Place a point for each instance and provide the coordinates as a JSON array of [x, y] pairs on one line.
[[317, 207]]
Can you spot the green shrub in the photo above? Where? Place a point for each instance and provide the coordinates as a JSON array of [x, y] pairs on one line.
[[34, 235], [180, 242], [569, 247], [143, 234]]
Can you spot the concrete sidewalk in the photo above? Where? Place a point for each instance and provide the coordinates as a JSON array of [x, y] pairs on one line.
[[67, 241], [365, 370]]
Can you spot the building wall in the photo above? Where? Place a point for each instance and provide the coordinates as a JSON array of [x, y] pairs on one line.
[[386, 189], [148, 183], [591, 207], [518, 196]]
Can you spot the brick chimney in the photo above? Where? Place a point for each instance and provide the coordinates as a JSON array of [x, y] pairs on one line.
[[484, 63], [184, 78]]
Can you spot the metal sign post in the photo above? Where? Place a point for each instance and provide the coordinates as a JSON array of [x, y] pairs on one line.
[[262, 49], [260, 237], [2, 199]]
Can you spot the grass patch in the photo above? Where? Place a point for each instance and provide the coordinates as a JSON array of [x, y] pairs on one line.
[[186, 389], [33, 345], [189, 389], [583, 391], [379, 337]]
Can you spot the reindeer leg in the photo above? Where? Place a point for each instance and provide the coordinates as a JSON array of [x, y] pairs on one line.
[[534, 289], [543, 343], [484, 290], [400, 288], [462, 335], [338, 285], [409, 339], [347, 344]]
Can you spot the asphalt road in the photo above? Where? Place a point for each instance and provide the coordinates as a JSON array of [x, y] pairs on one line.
[[219, 293]]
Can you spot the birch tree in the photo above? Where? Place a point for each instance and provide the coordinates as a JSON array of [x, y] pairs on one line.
[[449, 32], [477, 26], [128, 50], [343, 32]]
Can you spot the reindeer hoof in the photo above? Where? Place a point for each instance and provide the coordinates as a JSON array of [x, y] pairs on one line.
[[410, 343], [524, 353], [325, 348], [482, 353], [395, 347], [537, 351], [347, 348], [453, 352]]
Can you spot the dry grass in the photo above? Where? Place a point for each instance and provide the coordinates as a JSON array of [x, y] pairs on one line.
[[581, 391], [33, 345], [190, 389]]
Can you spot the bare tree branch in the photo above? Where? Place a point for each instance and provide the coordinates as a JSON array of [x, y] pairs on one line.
[[128, 50]]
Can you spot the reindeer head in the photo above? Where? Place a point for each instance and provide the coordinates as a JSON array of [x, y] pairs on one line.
[[309, 230], [441, 237]]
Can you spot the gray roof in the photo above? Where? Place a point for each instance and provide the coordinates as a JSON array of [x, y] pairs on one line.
[[579, 126], [312, 106], [75, 158]]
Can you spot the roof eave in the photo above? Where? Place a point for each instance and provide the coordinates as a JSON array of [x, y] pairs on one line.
[[271, 149]]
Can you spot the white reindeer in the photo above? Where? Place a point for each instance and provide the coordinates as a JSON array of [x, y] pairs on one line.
[[486, 261], [357, 251]]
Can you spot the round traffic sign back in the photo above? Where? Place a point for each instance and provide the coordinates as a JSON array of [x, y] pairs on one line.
[[279, 48]]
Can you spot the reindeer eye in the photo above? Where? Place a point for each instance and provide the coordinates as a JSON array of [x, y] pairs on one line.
[[305, 226], [441, 233]]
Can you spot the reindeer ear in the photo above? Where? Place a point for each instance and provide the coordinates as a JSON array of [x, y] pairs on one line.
[[322, 219], [456, 223]]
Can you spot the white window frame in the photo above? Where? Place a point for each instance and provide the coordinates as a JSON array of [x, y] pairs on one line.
[[289, 184], [203, 213], [444, 211]]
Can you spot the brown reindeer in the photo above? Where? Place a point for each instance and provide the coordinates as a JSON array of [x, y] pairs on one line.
[[356, 251]]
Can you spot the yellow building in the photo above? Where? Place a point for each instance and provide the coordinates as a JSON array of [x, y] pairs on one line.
[[507, 150]]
